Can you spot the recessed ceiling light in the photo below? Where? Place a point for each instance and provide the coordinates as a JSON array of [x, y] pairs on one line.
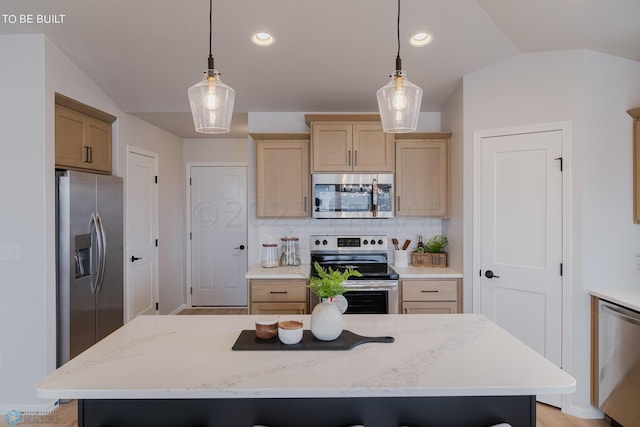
[[420, 39], [262, 39]]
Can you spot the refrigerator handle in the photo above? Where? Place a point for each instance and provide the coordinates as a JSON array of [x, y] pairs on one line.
[[96, 263], [103, 258]]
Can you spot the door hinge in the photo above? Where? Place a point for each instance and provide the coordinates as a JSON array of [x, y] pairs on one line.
[[189, 181], [480, 273], [156, 179], [561, 168], [156, 306], [190, 236], [561, 269], [156, 243], [190, 291]]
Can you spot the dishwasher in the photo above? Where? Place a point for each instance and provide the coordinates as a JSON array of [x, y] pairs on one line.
[[619, 363]]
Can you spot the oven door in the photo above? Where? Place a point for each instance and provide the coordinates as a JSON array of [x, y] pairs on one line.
[[353, 195], [369, 297]]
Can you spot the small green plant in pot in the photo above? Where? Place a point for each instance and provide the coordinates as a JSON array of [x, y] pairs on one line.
[[435, 245], [326, 318], [328, 283]]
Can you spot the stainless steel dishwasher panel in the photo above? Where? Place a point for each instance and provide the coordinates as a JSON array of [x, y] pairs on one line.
[[619, 363]]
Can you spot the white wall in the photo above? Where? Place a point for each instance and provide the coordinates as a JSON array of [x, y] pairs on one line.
[[591, 91], [211, 150], [26, 283]]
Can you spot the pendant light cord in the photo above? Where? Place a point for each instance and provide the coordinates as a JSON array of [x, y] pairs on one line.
[[211, 36], [398, 60]]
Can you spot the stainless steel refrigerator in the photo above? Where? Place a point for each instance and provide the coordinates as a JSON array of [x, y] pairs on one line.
[[90, 260]]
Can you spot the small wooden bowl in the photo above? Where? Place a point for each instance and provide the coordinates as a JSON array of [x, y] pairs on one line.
[[266, 329]]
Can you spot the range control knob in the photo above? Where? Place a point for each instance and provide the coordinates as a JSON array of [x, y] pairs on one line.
[[373, 242], [317, 242], [365, 242], [380, 242], [324, 242]]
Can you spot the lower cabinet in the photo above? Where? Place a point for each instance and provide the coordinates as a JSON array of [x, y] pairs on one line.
[[274, 296], [431, 296]]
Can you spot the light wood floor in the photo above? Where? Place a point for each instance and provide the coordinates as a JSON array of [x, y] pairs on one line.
[[66, 415]]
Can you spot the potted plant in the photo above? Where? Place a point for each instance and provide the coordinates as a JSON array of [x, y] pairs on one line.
[[432, 253], [326, 318]]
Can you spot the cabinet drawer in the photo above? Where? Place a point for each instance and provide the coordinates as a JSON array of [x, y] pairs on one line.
[[430, 290], [436, 307], [277, 308], [278, 290]]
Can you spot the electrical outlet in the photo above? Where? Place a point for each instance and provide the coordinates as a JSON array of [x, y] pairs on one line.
[[9, 252]]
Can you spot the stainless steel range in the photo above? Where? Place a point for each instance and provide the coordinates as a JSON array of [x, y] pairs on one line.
[[376, 292]]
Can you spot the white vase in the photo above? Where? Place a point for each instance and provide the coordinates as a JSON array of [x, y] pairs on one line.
[[326, 321]]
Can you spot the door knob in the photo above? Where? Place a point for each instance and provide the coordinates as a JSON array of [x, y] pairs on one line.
[[134, 258], [489, 274], [241, 247]]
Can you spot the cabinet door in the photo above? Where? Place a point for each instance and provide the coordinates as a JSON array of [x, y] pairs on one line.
[[70, 137], [332, 147], [372, 148], [99, 143], [422, 178], [282, 172], [423, 307], [263, 308]]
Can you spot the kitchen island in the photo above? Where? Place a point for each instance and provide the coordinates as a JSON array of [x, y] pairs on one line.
[[445, 370]]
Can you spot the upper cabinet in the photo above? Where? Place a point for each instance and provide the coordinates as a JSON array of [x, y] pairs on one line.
[[282, 175], [423, 174], [635, 114], [83, 136], [349, 143]]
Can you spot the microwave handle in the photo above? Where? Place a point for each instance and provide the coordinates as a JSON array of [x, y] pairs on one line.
[[374, 197]]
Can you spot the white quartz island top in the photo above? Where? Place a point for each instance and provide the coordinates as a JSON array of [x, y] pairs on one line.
[[190, 357], [626, 298]]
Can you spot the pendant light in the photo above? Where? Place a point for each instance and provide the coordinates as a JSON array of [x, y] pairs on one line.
[[211, 100], [399, 100]]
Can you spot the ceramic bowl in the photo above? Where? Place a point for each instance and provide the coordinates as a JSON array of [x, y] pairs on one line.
[[290, 331], [266, 329]]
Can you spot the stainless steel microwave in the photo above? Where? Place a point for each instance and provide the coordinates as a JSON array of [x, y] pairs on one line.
[[352, 195]]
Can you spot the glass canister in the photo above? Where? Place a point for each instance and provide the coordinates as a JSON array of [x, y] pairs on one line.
[[289, 251], [270, 255]]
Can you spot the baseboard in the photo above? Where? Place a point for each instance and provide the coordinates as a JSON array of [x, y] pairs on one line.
[[31, 410], [589, 413], [179, 309]]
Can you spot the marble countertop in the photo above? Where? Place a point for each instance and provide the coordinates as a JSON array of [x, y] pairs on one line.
[[191, 357], [626, 298], [302, 272]]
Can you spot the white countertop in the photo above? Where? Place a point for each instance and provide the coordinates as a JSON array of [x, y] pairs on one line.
[[626, 298], [302, 272], [417, 272], [191, 357]]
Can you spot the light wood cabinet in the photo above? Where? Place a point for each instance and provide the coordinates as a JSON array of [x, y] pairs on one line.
[[635, 114], [431, 296], [349, 143], [271, 296], [83, 136], [282, 174], [423, 174]]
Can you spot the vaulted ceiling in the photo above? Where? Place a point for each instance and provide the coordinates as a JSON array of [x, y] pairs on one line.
[[328, 56]]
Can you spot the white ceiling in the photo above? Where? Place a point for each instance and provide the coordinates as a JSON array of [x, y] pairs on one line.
[[329, 55]]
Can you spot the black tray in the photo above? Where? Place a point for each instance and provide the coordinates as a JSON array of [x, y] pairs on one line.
[[247, 340]]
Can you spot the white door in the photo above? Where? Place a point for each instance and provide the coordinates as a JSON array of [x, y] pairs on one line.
[[142, 232], [521, 239], [218, 235]]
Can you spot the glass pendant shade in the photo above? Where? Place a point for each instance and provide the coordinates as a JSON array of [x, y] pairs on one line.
[[211, 104], [399, 104]]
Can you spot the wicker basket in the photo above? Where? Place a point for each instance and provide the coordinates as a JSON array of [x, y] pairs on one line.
[[429, 259]]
